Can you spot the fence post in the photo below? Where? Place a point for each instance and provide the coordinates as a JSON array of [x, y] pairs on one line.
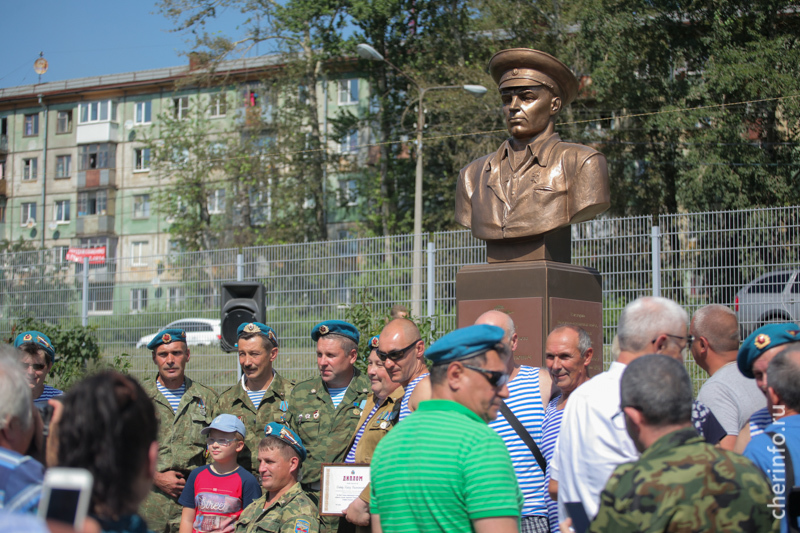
[[85, 294], [431, 278], [239, 277], [655, 238]]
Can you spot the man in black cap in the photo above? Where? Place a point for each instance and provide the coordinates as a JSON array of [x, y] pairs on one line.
[[534, 183]]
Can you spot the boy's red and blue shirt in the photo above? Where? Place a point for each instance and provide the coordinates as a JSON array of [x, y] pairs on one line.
[[215, 497]]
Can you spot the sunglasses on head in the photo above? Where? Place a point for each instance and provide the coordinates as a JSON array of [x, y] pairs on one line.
[[396, 355], [496, 379]]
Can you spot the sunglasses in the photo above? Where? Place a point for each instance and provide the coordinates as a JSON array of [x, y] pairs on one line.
[[221, 442], [37, 367], [396, 355], [496, 379]]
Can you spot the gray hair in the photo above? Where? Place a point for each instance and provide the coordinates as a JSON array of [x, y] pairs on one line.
[[659, 387], [584, 340], [783, 375], [15, 395], [718, 324], [646, 318]]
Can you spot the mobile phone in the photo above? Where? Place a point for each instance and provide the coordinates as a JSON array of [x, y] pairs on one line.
[[66, 494], [576, 511]]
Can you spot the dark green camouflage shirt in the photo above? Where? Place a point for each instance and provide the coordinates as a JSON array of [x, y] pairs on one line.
[[324, 429], [293, 512], [683, 484], [273, 407]]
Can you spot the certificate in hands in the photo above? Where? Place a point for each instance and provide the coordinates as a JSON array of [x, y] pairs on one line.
[[341, 484]]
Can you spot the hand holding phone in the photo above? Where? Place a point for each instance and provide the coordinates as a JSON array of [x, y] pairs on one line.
[[66, 494]]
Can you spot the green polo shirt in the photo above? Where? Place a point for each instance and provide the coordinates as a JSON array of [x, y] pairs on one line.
[[441, 468]]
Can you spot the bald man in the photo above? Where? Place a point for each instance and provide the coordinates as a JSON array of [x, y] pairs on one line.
[[401, 348], [729, 394]]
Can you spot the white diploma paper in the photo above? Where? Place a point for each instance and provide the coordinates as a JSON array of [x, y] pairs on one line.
[[341, 484]]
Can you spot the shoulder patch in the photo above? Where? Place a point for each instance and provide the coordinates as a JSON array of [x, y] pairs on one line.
[[301, 526]]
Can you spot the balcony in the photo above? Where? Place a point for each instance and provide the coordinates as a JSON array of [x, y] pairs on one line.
[[94, 225], [98, 132], [97, 177]]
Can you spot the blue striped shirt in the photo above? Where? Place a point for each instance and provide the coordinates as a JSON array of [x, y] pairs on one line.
[[173, 396], [47, 393], [759, 421], [337, 395], [550, 429], [525, 401], [404, 410], [351, 455]]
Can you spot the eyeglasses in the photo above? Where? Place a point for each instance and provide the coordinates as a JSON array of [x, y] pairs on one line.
[[396, 355], [618, 420], [689, 339], [496, 379], [37, 367], [221, 442]]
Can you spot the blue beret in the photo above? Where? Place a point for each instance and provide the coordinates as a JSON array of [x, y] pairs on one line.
[[339, 327], [39, 338], [273, 429], [763, 339], [165, 337], [257, 327], [372, 344], [226, 423], [464, 343]]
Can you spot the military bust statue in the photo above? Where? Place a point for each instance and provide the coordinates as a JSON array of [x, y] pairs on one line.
[[535, 182]]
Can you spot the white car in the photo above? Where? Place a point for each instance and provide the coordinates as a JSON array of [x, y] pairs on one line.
[[199, 331], [773, 297]]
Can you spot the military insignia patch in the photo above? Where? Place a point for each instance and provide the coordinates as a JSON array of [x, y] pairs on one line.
[[27, 337], [762, 341], [374, 342], [793, 332], [301, 526], [41, 340], [271, 336], [316, 415], [324, 330], [267, 430], [252, 328], [166, 338]]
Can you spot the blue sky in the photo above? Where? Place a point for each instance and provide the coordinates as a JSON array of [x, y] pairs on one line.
[[82, 38]]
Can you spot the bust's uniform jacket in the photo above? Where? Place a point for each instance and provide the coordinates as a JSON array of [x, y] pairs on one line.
[[560, 183]]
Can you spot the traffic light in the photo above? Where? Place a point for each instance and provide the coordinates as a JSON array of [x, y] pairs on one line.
[[242, 301]]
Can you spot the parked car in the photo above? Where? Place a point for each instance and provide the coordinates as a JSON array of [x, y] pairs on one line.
[[199, 331], [773, 297]]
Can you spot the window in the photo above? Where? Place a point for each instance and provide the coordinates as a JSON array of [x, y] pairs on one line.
[[181, 107], [64, 121], [61, 211], [138, 299], [176, 297], [141, 159], [97, 112], [31, 125], [28, 213], [63, 166], [100, 296], [3, 202], [29, 166], [218, 105], [142, 112], [348, 92], [216, 202], [97, 156], [348, 192], [773, 284], [92, 203], [60, 254], [2, 169], [349, 143], [141, 206], [139, 253]]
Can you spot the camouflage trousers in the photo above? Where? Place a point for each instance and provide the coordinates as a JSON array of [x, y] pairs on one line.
[[327, 524], [161, 512]]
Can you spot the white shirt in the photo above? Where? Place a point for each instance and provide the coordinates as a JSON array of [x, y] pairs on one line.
[[590, 446]]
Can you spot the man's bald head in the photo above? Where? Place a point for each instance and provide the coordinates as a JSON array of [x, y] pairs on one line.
[[501, 320], [402, 326], [718, 324], [402, 350]]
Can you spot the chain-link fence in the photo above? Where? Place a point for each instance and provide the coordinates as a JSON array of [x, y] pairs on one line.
[[748, 260]]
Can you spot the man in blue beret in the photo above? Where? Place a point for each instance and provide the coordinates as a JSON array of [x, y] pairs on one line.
[[262, 395], [184, 408], [443, 466], [753, 358], [324, 411], [37, 356]]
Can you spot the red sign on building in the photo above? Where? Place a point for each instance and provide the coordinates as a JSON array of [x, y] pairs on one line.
[[97, 256]]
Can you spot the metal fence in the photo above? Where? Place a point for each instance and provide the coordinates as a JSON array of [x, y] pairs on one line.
[[693, 258]]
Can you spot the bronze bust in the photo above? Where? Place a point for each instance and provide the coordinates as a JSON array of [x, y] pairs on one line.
[[535, 183]]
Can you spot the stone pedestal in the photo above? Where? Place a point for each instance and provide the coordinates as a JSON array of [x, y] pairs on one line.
[[538, 295]]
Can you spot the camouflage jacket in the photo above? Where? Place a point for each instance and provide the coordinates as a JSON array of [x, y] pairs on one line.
[[324, 429], [181, 447], [235, 401], [294, 512], [683, 484]]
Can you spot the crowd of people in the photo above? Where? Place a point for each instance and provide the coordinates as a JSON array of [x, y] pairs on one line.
[[458, 436]]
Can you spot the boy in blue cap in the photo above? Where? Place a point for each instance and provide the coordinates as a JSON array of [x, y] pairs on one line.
[[465, 469], [223, 489], [37, 356]]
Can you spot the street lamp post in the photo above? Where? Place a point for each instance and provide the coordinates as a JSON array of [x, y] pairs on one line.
[[368, 52]]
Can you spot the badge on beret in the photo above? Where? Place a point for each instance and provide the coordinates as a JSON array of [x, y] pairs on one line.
[[793, 332], [252, 328], [762, 341], [41, 340], [268, 430], [27, 337], [374, 342], [271, 337], [323, 329], [166, 338]]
